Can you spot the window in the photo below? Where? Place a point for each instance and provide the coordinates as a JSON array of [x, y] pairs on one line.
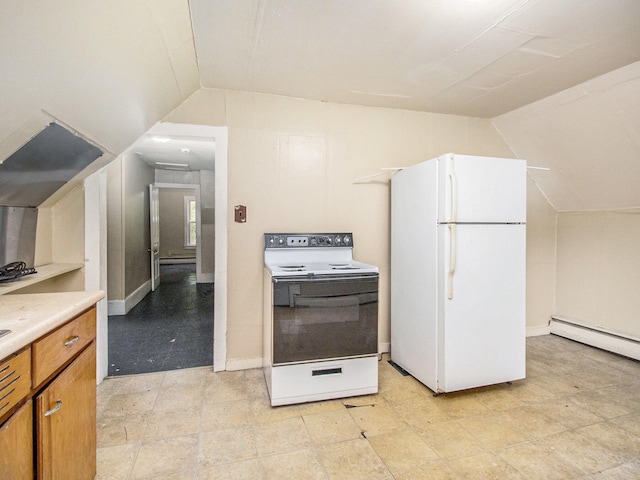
[[189, 221]]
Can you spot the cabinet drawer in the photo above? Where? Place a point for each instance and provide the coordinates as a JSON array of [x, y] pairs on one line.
[[15, 380], [55, 349]]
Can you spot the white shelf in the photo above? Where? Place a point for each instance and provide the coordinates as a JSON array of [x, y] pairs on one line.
[[45, 272]]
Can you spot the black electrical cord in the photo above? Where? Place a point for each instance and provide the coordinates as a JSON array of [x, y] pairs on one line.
[[14, 270]]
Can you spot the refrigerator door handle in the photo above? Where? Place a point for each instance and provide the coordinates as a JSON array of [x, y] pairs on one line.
[[452, 260], [454, 194]]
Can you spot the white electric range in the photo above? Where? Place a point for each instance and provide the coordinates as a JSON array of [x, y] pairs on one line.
[[320, 318]]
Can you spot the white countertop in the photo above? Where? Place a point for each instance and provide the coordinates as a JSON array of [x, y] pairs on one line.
[[30, 316]]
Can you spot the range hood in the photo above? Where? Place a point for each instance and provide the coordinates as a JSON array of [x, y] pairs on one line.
[[43, 165]]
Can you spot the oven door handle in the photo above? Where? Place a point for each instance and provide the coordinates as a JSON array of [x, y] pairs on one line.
[[317, 278]]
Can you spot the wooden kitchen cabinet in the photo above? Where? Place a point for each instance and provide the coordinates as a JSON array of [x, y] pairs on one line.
[[16, 445], [48, 405], [65, 422]]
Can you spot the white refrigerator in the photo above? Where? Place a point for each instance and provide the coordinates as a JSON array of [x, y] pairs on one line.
[[458, 260]]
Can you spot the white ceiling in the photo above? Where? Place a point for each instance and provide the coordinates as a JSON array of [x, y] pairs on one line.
[[467, 57]]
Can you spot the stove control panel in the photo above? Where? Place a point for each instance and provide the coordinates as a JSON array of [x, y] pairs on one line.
[[307, 240]]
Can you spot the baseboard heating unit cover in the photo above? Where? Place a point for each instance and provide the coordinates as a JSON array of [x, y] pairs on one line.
[[596, 337]]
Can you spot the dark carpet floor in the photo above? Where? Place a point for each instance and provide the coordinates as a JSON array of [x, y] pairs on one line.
[[171, 328]]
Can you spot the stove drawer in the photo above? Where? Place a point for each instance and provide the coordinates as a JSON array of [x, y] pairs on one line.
[[309, 382]]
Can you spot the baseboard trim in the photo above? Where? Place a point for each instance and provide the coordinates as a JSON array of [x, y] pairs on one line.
[[175, 261], [122, 307], [538, 330], [596, 337], [205, 278], [243, 363]]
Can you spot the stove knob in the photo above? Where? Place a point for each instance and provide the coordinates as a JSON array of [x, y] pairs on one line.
[[329, 240], [281, 241], [347, 240], [338, 240], [271, 241]]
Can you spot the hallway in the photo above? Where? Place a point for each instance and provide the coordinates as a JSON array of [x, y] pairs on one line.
[[170, 329]]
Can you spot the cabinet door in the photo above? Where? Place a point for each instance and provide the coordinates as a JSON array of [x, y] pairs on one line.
[[66, 422], [16, 445]]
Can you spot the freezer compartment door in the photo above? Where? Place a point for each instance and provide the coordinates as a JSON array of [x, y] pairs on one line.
[[481, 189], [481, 311]]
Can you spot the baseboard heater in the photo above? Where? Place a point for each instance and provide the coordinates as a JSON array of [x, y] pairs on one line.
[[596, 337]]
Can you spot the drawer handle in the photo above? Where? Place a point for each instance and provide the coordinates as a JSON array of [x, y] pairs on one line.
[[75, 339], [54, 409]]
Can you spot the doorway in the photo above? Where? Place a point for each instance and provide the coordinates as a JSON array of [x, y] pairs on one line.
[[218, 225], [170, 329]]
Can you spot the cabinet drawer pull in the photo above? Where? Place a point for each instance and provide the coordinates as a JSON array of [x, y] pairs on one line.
[[72, 341], [54, 409]]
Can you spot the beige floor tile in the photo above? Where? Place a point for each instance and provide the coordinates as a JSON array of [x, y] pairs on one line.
[[242, 470], [166, 456], [450, 440], [281, 436], [301, 464], [484, 466], [498, 397], [116, 463], [403, 450], [187, 376], [606, 403], [140, 383], [216, 416], [226, 446], [577, 415], [528, 392], [433, 471], [124, 404], [495, 430], [422, 411], [172, 423], [533, 420], [377, 419], [631, 423], [460, 404], [264, 412], [626, 471], [179, 397], [559, 384], [331, 427], [226, 387], [537, 462], [352, 460], [120, 430], [568, 413], [613, 437], [581, 452], [182, 475]]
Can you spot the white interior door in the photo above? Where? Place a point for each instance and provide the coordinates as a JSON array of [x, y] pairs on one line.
[[154, 230]]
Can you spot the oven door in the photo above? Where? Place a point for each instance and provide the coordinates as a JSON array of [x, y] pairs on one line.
[[320, 318]]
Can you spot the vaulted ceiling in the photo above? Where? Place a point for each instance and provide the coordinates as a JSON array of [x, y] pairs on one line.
[[560, 80], [477, 58]]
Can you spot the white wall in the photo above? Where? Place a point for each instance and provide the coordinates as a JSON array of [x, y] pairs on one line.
[[172, 221], [293, 164], [599, 270], [588, 138]]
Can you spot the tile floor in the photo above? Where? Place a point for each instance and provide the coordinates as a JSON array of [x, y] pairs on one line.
[[171, 328], [576, 416]]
